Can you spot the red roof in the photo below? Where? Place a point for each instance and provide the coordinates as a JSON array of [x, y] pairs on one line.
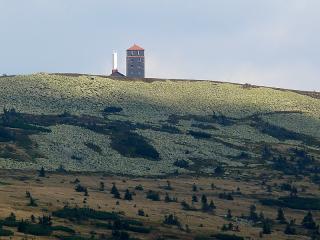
[[135, 47]]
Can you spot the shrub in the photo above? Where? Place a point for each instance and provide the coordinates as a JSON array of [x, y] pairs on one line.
[[141, 212], [84, 214], [101, 187], [167, 198], [34, 229], [5, 232], [266, 226], [301, 203], [32, 202], [187, 207], [93, 147], [290, 230], [194, 188], [42, 172], [199, 135], [171, 220], [80, 188], [139, 187], [63, 229], [280, 216], [152, 195], [181, 163], [130, 144], [223, 236], [226, 196], [112, 110]]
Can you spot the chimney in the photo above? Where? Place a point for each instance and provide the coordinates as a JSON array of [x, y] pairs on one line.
[[114, 62]]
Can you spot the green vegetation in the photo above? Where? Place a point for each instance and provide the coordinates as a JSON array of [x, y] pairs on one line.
[[223, 236], [84, 214], [302, 203], [152, 127]]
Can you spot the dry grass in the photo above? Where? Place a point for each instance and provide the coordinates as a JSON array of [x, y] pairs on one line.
[[57, 190]]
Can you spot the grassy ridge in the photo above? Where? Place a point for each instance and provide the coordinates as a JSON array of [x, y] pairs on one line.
[[204, 123]]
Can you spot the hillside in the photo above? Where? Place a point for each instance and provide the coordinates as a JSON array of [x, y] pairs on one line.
[[154, 127]]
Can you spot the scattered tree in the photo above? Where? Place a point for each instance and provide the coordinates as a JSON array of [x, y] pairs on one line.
[[266, 226], [280, 216], [42, 172], [229, 214], [171, 220], [308, 222], [253, 216], [128, 195], [152, 195], [101, 187], [194, 188], [290, 230], [194, 198]]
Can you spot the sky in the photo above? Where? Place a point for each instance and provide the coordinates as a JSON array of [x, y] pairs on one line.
[[263, 42]]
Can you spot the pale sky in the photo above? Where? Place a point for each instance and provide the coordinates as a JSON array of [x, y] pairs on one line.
[[263, 42]]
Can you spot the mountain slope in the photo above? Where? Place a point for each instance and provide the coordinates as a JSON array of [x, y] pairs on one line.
[[92, 123]]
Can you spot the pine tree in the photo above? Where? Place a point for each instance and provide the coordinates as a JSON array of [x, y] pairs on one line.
[[253, 216], [229, 214], [266, 227], [290, 230], [86, 192], [101, 188], [168, 187], [114, 191], [308, 221], [204, 202], [194, 188], [32, 202], [194, 198], [212, 206], [167, 198], [42, 172], [128, 195], [280, 217]]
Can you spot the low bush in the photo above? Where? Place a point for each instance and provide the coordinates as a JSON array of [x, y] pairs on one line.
[[199, 135], [5, 233], [84, 214], [152, 195], [301, 203], [181, 163], [112, 110], [34, 229], [223, 236], [63, 229]]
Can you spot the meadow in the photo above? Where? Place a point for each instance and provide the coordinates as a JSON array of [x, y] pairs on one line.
[[144, 127]]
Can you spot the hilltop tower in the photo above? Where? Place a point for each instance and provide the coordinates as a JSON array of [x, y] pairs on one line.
[[135, 62]]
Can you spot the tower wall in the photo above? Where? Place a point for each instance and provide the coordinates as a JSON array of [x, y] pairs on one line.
[[135, 63]]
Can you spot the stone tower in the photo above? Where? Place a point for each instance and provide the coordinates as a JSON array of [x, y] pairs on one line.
[[135, 62]]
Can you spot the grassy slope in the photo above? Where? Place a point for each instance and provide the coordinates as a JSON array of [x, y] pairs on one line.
[[152, 102]]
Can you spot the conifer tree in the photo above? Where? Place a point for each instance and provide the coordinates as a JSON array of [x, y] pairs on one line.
[[308, 221], [280, 216], [229, 214], [128, 195], [101, 188], [266, 226], [42, 172]]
